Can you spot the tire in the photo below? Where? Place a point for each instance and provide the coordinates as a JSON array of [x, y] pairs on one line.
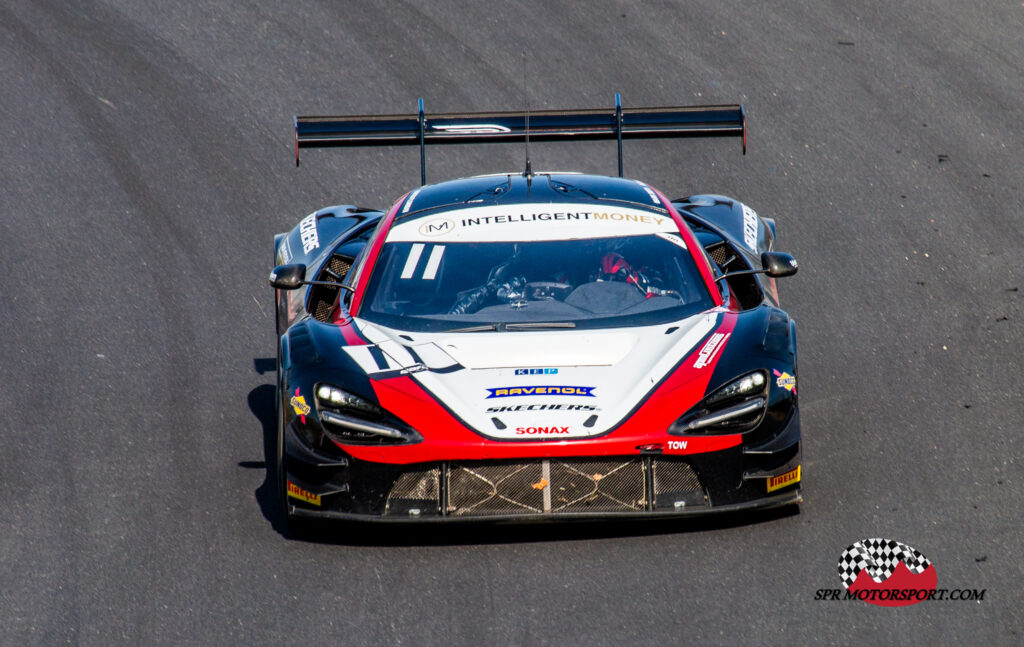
[[279, 463]]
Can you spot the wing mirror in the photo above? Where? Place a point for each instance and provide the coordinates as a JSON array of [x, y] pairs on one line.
[[778, 264], [775, 264], [287, 277]]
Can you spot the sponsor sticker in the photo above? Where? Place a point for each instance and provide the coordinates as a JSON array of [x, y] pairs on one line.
[[749, 227], [299, 405], [542, 407], [436, 227], [536, 371], [541, 431], [308, 233], [284, 252], [295, 492], [782, 480], [517, 391], [556, 216], [785, 380], [710, 348]]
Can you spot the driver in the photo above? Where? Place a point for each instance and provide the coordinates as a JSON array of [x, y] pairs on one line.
[[614, 267]]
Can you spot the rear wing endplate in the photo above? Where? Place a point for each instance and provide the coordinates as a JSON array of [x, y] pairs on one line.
[[540, 125]]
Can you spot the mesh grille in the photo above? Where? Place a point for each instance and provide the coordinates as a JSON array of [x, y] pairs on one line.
[[548, 486], [676, 485], [495, 488], [322, 301], [718, 255], [340, 265], [415, 490], [323, 308]]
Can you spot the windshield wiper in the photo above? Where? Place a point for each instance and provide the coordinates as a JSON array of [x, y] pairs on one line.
[[539, 325], [480, 328]]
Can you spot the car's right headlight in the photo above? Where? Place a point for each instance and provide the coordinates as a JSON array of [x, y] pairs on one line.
[[738, 406]]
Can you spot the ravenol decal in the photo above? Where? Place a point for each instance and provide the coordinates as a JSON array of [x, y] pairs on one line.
[[782, 480], [295, 492], [307, 232], [785, 381], [536, 371], [437, 227], [515, 391], [299, 405], [711, 347]]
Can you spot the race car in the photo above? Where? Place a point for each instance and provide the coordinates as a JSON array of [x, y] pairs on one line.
[[533, 345]]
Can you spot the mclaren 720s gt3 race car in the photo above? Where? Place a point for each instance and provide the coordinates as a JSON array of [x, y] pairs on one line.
[[533, 345]]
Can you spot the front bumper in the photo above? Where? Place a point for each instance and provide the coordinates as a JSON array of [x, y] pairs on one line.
[[745, 476]]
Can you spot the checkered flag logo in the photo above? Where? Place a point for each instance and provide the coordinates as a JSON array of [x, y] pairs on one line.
[[880, 557]]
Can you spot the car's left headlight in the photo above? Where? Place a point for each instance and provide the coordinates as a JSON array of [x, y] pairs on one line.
[[735, 407], [350, 419]]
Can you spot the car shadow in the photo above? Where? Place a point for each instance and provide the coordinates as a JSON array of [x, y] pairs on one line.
[[428, 533]]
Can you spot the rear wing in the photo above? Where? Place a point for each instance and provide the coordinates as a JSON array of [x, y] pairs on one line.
[[540, 125]]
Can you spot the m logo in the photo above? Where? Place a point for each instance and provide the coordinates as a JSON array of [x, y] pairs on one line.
[[436, 227]]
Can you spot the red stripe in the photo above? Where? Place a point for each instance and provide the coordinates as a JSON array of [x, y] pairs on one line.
[[446, 438], [349, 330], [691, 243]]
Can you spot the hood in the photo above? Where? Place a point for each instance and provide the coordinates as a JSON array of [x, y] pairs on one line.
[[538, 384]]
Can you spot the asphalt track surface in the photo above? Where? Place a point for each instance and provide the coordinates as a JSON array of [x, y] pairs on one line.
[[146, 163]]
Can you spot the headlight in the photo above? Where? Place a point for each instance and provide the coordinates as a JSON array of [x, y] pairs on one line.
[[335, 398], [747, 385], [349, 419], [737, 406]]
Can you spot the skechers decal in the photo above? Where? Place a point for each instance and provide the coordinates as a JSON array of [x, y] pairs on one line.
[[542, 407], [749, 227], [307, 231]]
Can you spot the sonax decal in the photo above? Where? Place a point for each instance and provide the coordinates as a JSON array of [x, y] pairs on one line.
[[541, 431], [782, 480]]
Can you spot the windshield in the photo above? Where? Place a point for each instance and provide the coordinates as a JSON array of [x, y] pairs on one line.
[[584, 283]]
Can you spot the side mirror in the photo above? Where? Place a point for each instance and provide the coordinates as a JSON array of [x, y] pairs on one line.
[[287, 277], [778, 264]]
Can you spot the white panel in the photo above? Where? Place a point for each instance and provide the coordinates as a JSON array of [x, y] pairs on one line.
[[433, 263], [412, 261]]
